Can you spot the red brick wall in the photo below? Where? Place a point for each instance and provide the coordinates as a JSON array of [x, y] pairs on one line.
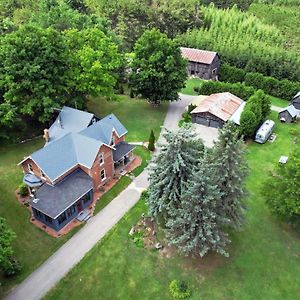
[[108, 166], [118, 140], [35, 167]]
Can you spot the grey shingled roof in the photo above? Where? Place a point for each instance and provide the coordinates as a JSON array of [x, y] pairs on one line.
[[69, 120], [292, 111], [121, 149], [53, 200], [75, 148]]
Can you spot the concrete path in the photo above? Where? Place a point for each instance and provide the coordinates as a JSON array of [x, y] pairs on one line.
[[36, 285]]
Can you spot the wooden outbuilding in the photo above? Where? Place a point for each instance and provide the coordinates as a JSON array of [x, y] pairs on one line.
[[296, 101], [288, 114], [202, 63]]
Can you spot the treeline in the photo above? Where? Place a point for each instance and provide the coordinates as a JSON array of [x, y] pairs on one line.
[[244, 41], [284, 89], [59, 57]]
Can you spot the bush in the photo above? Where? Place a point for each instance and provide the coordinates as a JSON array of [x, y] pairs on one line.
[[284, 89], [11, 267], [293, 131], [138, 238], [179, 290], [23, 190], [238, 89], [231, 74]]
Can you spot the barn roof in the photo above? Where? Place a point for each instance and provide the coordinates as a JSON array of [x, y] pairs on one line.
[[197, 55], [222, 105], [291, 110]]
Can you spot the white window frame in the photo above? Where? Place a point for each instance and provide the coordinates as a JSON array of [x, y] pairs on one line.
[[104, 173], [30, 168], [101, 159]]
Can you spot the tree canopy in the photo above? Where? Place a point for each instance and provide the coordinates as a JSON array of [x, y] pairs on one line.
[[158, 69]]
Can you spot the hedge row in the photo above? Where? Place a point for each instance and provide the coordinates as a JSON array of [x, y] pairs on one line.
[[239, 89], [283, 89]]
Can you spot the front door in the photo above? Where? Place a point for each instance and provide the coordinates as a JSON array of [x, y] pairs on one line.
[[79, 206]]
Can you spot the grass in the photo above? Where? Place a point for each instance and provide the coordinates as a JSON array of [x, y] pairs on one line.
[[285, 18], [145, 154], [32, 246], [137, 115], [279, 102], [112, 193], [264, 261], [190, 84]]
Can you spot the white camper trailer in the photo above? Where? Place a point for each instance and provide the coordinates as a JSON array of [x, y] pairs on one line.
[[264, 131]]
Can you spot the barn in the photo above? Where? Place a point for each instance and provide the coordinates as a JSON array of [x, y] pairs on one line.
[[201, 63], [296, 101], [288, 114], [217, 109]]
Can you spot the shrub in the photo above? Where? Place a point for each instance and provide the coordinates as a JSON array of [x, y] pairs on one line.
[[179, 290], [151, 145], [248, 123], [138, 238], [231, 74], [238, 89], [23, 190], [11, 267], [293, 131], [284, 89]]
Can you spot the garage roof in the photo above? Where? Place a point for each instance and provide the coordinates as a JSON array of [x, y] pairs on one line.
[[222, 105], [197, 55]]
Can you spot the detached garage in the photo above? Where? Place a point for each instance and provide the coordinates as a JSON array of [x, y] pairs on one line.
[[217, 109]]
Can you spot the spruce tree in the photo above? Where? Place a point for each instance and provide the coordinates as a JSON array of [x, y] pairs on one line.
[[171, 170], [230, 173], [197, 226]]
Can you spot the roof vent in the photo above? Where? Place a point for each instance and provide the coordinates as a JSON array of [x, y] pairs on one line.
[[35, 200]]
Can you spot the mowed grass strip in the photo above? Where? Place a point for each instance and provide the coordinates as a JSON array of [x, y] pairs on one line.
[[264, 261]]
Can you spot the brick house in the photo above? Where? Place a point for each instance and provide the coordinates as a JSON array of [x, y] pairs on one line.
[[202, 63], [82, 153]]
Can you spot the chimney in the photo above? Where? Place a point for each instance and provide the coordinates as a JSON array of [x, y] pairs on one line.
[[46, 135]]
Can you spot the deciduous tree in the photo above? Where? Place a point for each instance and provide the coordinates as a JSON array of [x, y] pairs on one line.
[[158, 69]]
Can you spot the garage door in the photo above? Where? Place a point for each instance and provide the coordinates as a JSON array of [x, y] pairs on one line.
[[201, 120]]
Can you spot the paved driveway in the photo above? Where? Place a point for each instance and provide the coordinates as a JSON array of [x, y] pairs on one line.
[[207, 134]]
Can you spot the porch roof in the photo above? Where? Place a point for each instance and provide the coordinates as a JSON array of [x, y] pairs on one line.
[[32, 180], [53, 200], [121, 150]]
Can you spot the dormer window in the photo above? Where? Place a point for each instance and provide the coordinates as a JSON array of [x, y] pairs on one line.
[[30, 168], [101, 159]]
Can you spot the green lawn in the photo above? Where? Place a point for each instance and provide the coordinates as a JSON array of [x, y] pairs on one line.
[[279, 102], [32, 246], [112, 193], [145, 154], [137, 115], [264, 261], [190, 84]]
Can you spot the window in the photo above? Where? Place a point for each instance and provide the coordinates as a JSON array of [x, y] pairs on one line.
[[38, 214], [112, 143], [70, 211], [43, 175], [30, 169], [101, 159], [61, 218], [86, 198], [214, 71], [48, 219], [102, 175]]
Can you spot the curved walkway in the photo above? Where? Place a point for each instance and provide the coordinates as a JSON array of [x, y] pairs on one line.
[[37, 284]]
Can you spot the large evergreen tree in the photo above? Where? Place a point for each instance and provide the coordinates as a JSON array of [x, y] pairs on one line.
[[230, 174], [158, 69], [197, 225], [170, 172]]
